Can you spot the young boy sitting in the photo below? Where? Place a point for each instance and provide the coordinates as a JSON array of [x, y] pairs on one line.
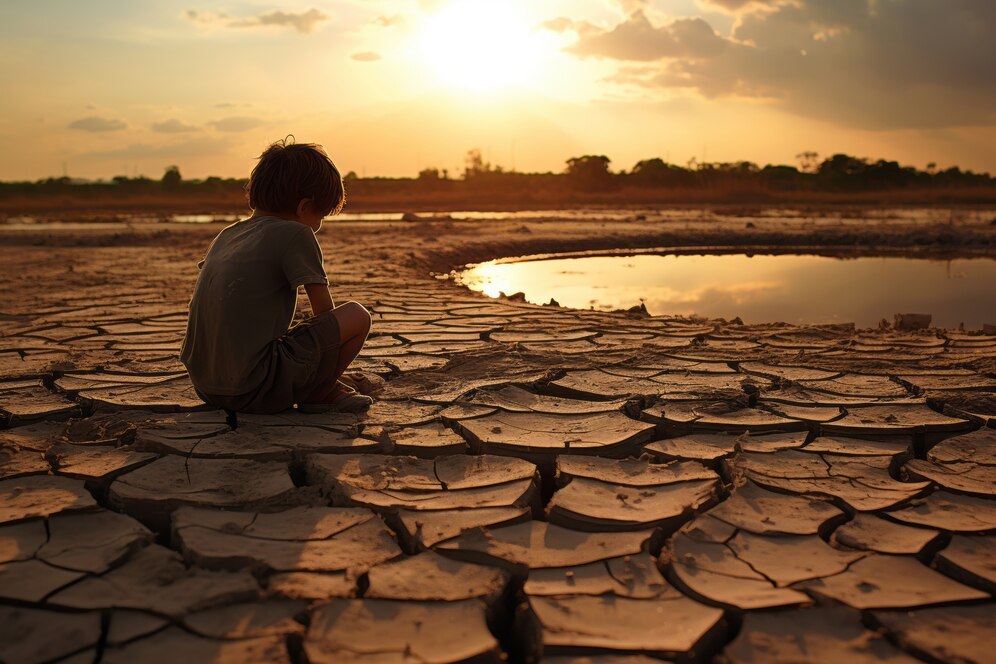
[[238, 349]]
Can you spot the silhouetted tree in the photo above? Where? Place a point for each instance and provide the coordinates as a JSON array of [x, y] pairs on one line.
[[590, 172], [809, 161], [172, 177]]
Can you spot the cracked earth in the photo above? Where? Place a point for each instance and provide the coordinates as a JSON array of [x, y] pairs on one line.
[[532, 483]]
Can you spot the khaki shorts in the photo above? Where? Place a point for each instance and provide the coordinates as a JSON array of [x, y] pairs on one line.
[[299, 361]]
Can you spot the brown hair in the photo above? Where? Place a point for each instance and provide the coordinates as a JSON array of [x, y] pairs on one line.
[[288, 172]]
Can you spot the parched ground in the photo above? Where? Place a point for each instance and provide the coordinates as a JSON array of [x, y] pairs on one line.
[[533, 483]]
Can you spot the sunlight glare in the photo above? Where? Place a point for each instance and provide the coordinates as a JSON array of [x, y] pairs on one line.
[[480, 45]]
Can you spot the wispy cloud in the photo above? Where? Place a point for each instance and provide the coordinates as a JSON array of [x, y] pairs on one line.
[[304, 22], [172, 126], [236, 123], [366, 56], [95, 123]]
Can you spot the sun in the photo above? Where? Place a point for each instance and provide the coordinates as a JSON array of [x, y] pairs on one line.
[[480, 46]]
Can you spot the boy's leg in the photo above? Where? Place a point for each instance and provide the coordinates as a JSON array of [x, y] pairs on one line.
[[354, 325]]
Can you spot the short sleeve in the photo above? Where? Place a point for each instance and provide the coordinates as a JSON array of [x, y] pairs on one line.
[[301, 259]]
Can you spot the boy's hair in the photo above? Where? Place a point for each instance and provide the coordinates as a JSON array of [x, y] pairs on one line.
[[288, 172]]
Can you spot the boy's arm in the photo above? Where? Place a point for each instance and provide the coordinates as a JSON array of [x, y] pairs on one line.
[[320, 298]]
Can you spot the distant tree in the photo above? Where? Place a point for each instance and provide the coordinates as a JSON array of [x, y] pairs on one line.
[[172, 178], [658, 173], [429, 175], [590, 172], [475, 166], [350, 176], [809, 161]]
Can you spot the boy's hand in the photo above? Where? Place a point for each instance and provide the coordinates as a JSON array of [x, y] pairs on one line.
[[320, 298]]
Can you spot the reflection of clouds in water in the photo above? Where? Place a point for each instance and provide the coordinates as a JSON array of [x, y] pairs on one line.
[[711, 299], [799, 289]]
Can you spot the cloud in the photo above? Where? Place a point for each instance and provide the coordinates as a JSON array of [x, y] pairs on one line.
[[236, 123], [734, 6], [172, 126], [304, 22], [97, 124], [637, 39], [869, 64], [171, 152], [366, 56], [390, 21]]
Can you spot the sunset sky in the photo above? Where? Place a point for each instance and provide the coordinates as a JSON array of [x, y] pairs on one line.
[[98, 88]]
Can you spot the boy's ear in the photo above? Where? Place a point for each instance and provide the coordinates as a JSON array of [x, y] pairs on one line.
[[303, 206]]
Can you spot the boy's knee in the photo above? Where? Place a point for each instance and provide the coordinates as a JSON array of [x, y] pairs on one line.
[[358, 316]]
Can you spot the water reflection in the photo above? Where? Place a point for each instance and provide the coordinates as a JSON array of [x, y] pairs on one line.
[[790, 288]]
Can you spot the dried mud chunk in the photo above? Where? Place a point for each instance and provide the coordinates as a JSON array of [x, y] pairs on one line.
[[445, 483], [155, 579], [864, 483], [20, 541], [787, 372], [92, 541], [820, 634], [600, 385], [310, 539], [971, 560], [153, 491], [312, 585], [32, 636], [666, 627], [868, 532], [537, 544], [857, 446], [427, 440], [19, 462], [946, 634], [893, 420], [253, 441], [787, 559], [517, 400], [711, 570], [948, 511], [366, 630], [176, 645], [588, 504], [94, 462], [168, 396], [611, 433], [741, 420], [630, 576], [270, 617], [977, 447], [29, 404], [432, 577], [422, 530], [630, 472], [33, 580], [400, 413], [768, 513], [711, 446], [40, 496], [891, 582], [962, 477], [857, 385]]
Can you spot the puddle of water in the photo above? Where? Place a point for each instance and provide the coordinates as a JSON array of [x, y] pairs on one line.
[[758, 288]]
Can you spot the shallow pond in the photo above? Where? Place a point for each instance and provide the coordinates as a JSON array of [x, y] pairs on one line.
[[758, 288]]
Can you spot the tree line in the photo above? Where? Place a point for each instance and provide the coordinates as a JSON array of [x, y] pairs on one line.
[[585, 175]]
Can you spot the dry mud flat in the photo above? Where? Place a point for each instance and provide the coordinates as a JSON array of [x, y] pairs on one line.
[[533, 483]]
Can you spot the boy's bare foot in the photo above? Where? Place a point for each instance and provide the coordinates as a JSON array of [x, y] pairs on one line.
[[339, 398], [362, 382]]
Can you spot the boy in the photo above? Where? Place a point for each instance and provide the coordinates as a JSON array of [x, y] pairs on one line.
[[238, 349]]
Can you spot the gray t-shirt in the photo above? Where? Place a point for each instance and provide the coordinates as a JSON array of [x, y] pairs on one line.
[[244, 299]]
